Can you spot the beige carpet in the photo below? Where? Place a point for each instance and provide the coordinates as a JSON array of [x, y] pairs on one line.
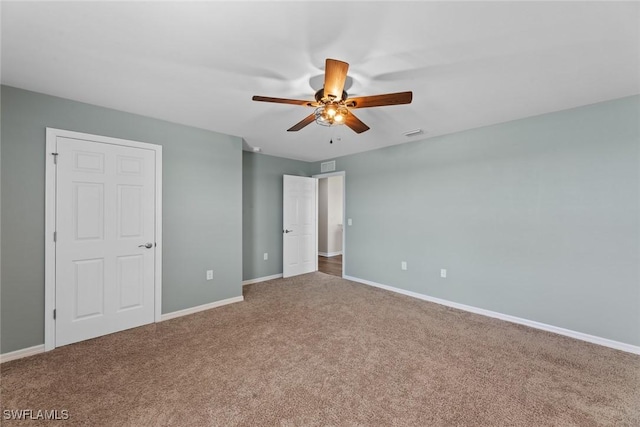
[[319, 350]]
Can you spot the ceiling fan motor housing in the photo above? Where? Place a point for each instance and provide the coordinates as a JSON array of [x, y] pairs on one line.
[[320, 97]]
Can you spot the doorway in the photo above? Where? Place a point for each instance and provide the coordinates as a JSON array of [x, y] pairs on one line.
[[331, 217]]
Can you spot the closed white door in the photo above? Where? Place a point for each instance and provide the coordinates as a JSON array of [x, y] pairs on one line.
[[300, 225], [105, 245]]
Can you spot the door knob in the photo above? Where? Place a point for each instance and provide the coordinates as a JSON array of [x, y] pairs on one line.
[[148, 246], [287, 231]]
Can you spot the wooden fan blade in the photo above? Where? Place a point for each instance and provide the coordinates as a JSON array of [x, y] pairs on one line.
[[283, 101], [380, 100], [355, 123], [302, 123], [335, 74]]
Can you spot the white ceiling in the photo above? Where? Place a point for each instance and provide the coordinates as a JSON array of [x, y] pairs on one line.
[[468, 64]]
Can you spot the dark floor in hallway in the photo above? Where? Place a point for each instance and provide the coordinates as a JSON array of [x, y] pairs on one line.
[[330, 265]]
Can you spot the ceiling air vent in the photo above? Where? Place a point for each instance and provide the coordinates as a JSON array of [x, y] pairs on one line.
[[413, 132], [328, 166]]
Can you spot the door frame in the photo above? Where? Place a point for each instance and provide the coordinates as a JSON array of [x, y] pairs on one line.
[[50, 223], [344, 214]]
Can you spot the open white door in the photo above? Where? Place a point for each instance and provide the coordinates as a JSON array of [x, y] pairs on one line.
[[299, 226]]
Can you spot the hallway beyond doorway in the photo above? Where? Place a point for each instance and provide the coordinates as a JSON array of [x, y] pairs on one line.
[[330, 265]]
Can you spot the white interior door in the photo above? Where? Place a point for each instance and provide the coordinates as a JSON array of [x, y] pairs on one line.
[[300, 226], [105, 239]]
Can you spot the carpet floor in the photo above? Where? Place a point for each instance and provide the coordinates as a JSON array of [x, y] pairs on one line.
[[319, 350]]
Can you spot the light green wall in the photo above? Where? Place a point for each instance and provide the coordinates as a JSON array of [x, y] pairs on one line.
[[262, 211], [202, 185], [537, 218]]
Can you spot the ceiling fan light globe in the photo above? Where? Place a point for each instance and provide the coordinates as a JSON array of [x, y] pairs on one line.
[[341, 114], [322, 118]]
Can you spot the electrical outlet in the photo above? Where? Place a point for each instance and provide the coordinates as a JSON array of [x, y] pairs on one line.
[[443, 273], [209, 274], [349, 221], [265, 256], [403, 265]]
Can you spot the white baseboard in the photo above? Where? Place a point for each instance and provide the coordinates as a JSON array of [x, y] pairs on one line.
[[329, 254], [19, 354], [37, 349], [261, 279], [629, 348], [199, 308]]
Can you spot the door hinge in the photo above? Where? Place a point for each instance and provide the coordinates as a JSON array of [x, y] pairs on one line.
[[54, 313], [55, 158], [55, 236]]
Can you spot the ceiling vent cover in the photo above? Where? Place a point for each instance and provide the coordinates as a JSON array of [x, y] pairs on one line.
[[328, 166]]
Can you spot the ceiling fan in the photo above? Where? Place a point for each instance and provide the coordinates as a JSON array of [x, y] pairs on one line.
[[332, 104]]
